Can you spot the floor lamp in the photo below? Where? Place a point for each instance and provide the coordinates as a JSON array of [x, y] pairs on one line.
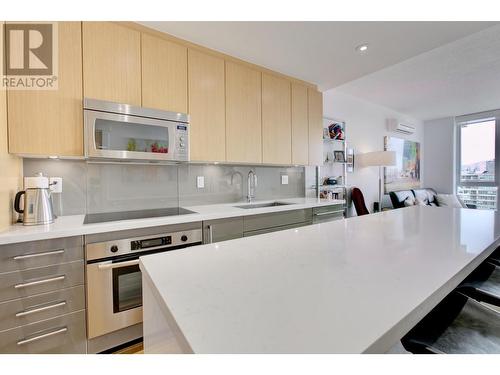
[[378, 159]]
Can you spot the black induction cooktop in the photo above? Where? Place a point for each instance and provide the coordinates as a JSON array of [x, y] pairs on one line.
[[131, 215]]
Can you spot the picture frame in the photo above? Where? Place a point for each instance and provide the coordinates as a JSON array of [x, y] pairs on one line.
[[339, 156], [350, 160], [405, 175]]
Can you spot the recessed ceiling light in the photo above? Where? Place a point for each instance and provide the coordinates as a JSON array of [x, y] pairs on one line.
[[362, 48]]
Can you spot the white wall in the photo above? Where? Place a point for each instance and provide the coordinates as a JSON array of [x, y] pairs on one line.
[[439, 164], [365, 131]]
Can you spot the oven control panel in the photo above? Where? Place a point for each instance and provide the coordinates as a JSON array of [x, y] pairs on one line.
[[113, 248], [150, 242]]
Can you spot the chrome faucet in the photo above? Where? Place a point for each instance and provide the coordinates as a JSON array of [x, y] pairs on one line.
[[251, 185]]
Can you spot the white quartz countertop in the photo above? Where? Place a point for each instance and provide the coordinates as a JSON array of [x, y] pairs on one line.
[[348, 286], [66, 226]]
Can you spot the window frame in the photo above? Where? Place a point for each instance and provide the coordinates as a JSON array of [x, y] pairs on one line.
[[471, 119]]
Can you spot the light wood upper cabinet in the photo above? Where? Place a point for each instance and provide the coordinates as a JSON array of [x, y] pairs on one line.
[[276, 120], [243, 114], [164, 74], [51, 122], [300, 125], [111, 62], [207, 107], [315, 99]]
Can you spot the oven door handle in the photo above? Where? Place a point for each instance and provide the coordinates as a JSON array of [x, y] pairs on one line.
[[108, 266]]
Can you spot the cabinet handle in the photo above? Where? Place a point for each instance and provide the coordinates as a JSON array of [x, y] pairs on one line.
[[40, 309], [328, 213], [27, 256], [45, 335], [38, 282], [107, 266], [210, 233]]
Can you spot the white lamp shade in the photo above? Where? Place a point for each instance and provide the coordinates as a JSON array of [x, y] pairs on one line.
[[378, 159]]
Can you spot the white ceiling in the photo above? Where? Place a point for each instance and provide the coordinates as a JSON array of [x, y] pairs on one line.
[[320, 52], [459, 78]]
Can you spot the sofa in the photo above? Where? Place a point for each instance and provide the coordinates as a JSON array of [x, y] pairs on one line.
[[427, 197]]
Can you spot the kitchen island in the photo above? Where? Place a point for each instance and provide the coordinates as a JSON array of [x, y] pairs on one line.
[[350, 286]]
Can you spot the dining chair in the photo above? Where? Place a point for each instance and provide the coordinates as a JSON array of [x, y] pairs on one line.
[[359, 202]]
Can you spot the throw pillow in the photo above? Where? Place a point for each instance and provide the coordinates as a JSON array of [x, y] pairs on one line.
[[409, 201], [420, 202], [448, 200]]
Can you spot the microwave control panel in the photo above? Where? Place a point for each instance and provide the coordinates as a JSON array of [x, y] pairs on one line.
[[181, 141]]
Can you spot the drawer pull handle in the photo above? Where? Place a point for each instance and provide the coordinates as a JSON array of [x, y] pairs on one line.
[[40, 309], [45, 335], [28, 256], [39, 282], [328, 213], [108, 266], [210, 233]]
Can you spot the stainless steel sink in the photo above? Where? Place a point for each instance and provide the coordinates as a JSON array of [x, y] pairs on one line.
[[262, 205]]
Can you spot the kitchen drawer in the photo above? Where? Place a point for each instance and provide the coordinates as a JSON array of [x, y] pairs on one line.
[[63, 335], [328, 213], [24, 255], [275, 229], [276, 219], [44, 306], [222, 229], [25, 283]]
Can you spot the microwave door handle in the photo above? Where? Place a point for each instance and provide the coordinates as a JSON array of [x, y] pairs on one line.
[[108, 266]]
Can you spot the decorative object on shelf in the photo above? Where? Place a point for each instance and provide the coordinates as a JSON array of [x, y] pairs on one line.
[[339, 156], [329, 157], [350, 160], [378, 159], [330, 181], [405, 174], [335, 129]]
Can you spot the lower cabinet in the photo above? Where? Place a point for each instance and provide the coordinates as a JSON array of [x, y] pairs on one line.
[[245, 226], [42, 298], [328, 213], [275, 229], [222, 229], [262, 222], [63, 334]]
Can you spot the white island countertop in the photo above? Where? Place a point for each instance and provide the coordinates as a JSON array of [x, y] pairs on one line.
[[349, 286], [66, 226]]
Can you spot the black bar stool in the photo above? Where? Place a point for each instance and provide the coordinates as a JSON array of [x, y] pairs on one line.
[[458, 325], [483, 284]]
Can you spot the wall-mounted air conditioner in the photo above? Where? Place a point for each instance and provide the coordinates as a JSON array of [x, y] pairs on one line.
[[399, 127]]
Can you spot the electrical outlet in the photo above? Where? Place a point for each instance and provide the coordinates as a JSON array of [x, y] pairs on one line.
[[284, 179], [55, 184], [200, 182]]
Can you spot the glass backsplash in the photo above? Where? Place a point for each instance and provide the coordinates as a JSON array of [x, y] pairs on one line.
[[106, 187]]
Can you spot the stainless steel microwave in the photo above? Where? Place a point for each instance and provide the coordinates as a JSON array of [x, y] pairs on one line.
[[126, 132]]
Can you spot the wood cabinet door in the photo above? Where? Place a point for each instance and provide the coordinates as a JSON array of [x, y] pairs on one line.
[[276, 120], [300, 125], [315, 104], [111, 63], [243, 114], [50, 122], [164, 74], [206, 107]]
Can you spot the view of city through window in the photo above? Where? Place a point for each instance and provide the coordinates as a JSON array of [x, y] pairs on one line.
[[477, 165]]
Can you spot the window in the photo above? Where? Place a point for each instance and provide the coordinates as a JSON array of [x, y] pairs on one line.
[[477, 170]]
